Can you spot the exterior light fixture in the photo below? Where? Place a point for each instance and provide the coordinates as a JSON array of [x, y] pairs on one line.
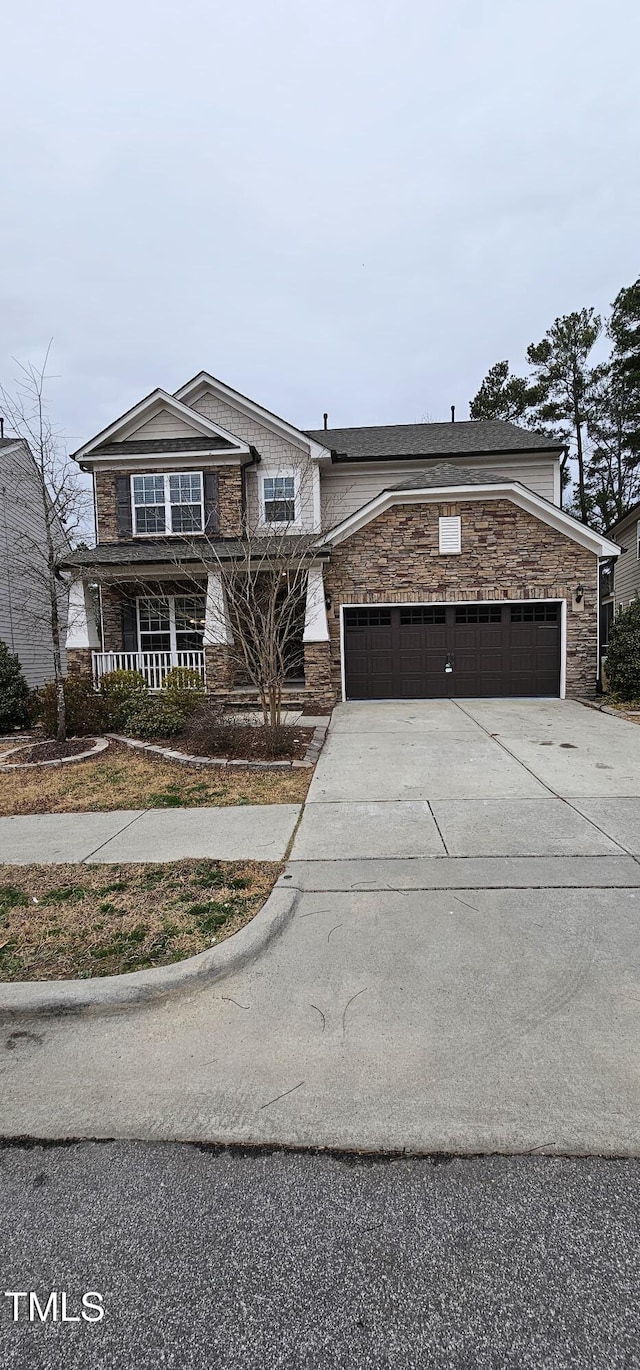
[[579, 593]]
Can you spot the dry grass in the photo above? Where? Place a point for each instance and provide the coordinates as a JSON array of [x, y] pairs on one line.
[[120, 779], [68, 922]]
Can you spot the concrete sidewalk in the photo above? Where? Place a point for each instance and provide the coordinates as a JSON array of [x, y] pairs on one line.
[[259, 832]]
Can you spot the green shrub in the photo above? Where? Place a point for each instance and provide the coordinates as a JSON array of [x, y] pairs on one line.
[[86, 714], [623, 652], [121, 692], [184, 688], [14, 692], [154, 716]]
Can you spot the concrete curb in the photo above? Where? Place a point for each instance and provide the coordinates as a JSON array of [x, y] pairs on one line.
[[112, 993], [101, 744], [184, 759]]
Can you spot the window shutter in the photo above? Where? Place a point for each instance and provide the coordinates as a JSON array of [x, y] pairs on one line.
[[450, 534], [211, 501], [123, 506], [129, 626]]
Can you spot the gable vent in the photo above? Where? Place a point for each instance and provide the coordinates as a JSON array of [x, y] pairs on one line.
[[450, 534]]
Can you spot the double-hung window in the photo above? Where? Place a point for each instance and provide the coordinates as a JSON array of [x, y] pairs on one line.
[[279, 499], [171, 623], [168, 503]]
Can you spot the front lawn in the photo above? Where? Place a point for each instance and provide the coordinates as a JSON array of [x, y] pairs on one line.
[[67, 921], [122, 779]]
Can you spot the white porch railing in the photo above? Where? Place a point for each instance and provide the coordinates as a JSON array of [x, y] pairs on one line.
[[154, 666]]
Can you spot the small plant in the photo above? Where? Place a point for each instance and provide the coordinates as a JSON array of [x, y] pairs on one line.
[[154, 716], [623, 652], [184, 688], [14, 692], [84, 707], [121, 692]]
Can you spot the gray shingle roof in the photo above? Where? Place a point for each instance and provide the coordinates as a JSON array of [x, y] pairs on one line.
[[173, 552], [148, 445], [445, 474], [489, 436]]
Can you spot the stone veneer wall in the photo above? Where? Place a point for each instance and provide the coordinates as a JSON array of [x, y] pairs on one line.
[[319, 691], [507, 554], [79, 661], [229, 502]]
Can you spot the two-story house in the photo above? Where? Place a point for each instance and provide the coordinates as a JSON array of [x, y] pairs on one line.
[[440, 562]]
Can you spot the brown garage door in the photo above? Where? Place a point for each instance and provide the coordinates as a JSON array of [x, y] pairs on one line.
[[435, 651]]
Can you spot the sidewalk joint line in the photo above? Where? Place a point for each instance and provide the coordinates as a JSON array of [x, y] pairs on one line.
[[116, 834]]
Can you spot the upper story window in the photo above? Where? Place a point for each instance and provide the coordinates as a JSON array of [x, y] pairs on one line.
[[168, 503], [279, 493]]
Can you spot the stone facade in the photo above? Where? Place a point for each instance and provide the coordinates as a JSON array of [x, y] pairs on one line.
[[507, 554], [319, 691], [230, 503], [79, 661]]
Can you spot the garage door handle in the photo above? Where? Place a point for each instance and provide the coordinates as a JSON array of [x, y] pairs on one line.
[[448, 665]]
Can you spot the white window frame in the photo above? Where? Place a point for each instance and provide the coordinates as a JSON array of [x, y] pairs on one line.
[[449, 525], [168, 529], [638, 540], [280, 475], [173, 642]]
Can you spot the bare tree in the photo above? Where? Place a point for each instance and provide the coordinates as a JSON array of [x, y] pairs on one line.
[[48, 473]]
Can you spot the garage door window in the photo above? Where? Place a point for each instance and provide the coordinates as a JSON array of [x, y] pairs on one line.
[[423, 613], [534, 613], [367, 618], [479, 613]]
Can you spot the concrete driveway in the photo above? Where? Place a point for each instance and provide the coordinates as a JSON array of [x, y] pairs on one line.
[[461, 971], [476, 778]]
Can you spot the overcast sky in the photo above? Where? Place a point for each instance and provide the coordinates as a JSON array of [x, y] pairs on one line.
[[350, 205]]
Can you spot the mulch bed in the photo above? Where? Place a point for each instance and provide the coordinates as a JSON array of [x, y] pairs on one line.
[[241, 742], [51, 751]]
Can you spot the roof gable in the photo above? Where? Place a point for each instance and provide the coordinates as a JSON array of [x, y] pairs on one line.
[[156, 413], [472, 485], [195, 388]]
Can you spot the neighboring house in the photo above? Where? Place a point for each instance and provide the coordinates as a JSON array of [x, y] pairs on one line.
[[440, 561], [624, 580], [25, 615]]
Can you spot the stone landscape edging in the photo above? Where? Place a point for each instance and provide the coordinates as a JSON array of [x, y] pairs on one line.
[[62, 998], [185, 759], [101, 744]]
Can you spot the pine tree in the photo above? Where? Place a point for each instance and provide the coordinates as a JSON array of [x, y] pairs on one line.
[[502, 396]]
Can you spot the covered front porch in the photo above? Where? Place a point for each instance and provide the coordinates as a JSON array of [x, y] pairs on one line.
[[156, 626]]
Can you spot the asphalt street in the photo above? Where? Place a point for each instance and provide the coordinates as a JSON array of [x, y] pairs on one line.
[[270, 1260]]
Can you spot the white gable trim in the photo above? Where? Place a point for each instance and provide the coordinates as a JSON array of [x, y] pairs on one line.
[[512, 490], [128, 423], [203, 381]]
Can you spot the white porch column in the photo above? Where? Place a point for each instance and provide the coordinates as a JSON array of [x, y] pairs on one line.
[[82, 630], [217, 628], [316, 628]]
